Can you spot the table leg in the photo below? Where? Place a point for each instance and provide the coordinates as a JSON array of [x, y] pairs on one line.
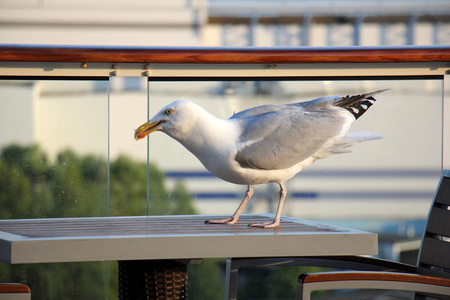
[[152, 279]]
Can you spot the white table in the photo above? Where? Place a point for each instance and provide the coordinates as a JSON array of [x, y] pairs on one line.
[[173, 238]]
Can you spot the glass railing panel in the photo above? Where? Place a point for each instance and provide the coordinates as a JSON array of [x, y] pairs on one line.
[[54, 138], [53, 162], [128, 170]]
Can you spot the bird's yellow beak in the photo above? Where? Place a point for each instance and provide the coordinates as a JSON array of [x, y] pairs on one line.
[[147, 128]]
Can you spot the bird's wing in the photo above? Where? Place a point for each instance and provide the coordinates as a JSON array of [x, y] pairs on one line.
[[283, 138], [262, 110], [281, 135]]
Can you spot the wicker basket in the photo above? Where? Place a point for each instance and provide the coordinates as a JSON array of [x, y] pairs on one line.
[[152, 279]]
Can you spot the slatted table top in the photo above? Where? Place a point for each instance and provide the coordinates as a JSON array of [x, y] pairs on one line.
[[172, 237]]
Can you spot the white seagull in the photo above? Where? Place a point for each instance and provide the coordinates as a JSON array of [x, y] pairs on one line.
[[269, 143]]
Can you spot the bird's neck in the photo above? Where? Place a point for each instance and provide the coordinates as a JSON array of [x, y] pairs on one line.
[[207, 137]]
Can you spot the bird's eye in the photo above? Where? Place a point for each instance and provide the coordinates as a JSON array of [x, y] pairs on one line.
[[168, 111]]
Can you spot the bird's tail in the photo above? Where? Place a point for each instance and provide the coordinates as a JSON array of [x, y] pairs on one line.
[[357, 105], [351, 138]]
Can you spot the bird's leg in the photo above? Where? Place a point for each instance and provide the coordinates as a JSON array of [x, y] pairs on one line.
[[235, 216], [276, 221]]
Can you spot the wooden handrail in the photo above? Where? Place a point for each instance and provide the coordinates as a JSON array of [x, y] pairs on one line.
[[97, 54]]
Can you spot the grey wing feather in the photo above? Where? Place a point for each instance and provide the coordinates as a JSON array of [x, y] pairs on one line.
[[261, 110], [281, 140]]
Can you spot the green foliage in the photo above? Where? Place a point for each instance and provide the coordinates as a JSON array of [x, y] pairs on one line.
[[74, 194], [74, 186], [128, 191], [23, 177], [206, 280], [181, 201], [15, 192]]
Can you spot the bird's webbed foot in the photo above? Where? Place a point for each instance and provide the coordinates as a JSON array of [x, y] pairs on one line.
[[229, 221], [273, 224]]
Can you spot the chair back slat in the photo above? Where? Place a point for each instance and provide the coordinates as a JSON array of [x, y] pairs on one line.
[[435, 253], [439, 222], [434, 256], [443, 193]]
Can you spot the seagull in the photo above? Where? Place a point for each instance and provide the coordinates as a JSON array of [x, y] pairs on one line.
[[269, 143]]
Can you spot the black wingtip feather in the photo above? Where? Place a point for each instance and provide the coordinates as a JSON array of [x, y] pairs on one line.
[[357, 105]]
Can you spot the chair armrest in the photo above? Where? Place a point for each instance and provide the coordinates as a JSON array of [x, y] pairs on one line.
[[363, 263], [14, 291], [357, 263], [13, 288], [372, 280]]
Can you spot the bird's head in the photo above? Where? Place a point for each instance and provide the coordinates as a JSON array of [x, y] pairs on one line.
[[173, 119]]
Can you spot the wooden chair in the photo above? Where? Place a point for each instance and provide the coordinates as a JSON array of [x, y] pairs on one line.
[[431, 276], [14, 291]]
